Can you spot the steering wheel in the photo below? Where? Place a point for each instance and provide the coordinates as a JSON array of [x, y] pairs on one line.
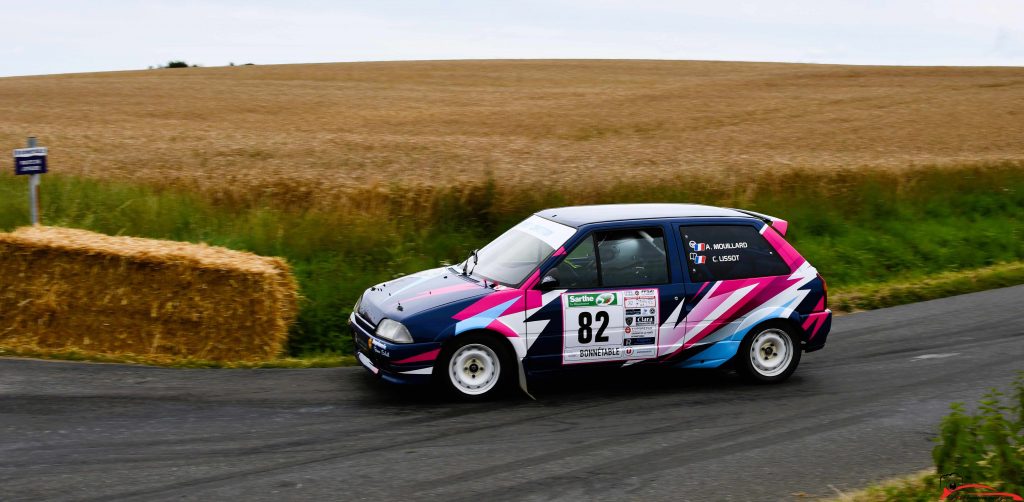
[[573, 269]]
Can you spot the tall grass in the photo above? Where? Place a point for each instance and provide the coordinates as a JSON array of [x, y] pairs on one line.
[[856, 226]]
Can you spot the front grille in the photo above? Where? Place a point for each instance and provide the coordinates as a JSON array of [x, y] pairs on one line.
[[364, 326]]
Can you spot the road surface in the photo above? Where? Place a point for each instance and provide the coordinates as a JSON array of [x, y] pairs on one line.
[[863, 409]]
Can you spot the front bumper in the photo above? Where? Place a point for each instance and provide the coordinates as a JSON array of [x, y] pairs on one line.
[[402, 363]]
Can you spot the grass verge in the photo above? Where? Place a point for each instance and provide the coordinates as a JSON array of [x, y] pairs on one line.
[[859, 227], [888, 294], [863, 297], [922, 486], [306, 361]]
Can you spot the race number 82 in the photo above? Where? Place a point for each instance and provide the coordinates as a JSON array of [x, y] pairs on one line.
[[586, 332]]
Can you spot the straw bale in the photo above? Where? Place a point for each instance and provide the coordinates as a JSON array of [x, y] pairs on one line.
[[66, 289]]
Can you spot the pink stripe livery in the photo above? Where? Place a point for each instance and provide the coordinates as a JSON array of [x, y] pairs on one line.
[[788, 254], [761, 291], [440, 291], [420, 358]]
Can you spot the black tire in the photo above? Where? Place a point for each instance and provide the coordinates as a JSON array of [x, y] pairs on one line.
[[769, 363], [480, 355]]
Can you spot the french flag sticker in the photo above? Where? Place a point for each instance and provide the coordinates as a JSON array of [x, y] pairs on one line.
[[698, 246], [700, 260]]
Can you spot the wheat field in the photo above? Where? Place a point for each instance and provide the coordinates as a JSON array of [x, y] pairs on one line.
[[360, 172], [315, 131]]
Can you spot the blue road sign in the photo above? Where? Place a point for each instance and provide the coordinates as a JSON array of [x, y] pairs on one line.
[[30, 160]]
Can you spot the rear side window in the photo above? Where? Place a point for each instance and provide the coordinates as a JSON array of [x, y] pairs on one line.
[[724, 252]]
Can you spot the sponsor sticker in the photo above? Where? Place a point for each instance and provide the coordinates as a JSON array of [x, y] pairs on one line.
[[641, 302], [378, 346], [553, 234], [642, 330], [592, 299], [603, 326]]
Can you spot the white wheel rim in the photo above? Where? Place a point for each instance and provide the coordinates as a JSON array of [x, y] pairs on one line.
[[474, 369], [771, 352]]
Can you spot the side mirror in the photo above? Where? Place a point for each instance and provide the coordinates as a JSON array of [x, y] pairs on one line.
[[548, 282]]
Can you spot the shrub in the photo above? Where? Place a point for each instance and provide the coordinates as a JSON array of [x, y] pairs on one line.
[[986, 446], [177, 64]]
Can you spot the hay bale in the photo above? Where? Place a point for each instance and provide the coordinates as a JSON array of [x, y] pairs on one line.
[[65, 289]]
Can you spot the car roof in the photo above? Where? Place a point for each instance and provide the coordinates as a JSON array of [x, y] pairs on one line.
[[575, 216]]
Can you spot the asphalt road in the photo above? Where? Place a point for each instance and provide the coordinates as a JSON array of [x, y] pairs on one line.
[[863, 409]]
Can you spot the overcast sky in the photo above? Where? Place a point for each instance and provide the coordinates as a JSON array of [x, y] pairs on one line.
[[48, 36]]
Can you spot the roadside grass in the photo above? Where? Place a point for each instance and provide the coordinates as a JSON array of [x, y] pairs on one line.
[[919, 487], [866, 230], [842, 301], [306, 361], [888, 294]]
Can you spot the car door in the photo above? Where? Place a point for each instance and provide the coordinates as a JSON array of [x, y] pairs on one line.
[[732, 270], [612, 286]]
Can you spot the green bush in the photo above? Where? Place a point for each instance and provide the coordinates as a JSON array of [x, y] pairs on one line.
[[986, 446], [177, 64]]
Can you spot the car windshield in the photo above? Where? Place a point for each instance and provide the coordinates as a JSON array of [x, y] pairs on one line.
[[510, 258]]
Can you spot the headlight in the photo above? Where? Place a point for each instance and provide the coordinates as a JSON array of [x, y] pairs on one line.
[[393, 331]]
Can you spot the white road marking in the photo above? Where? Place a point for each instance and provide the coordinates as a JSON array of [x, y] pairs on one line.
[[934, 356]]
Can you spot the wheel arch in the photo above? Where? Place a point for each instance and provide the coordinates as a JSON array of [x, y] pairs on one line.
[[515, 351], [755, 320], [455, 339]]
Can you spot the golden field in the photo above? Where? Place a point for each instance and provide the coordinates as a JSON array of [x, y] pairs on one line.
[[288, 132]]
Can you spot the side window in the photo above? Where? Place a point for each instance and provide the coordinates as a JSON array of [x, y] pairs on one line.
[[579, 268], [634, 257], [724, 252], [626, 258]]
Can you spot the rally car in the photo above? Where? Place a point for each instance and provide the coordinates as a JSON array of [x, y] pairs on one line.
[[681, 285]]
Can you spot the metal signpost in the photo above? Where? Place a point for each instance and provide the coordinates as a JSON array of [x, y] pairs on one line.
[[31, 161]]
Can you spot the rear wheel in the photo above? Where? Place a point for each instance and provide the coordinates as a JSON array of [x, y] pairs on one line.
[[476, 367], [769, 354]]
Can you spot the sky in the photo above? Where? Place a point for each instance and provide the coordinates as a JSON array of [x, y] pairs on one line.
[[49, 36]]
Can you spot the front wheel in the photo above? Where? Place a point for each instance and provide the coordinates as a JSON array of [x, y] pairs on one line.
[[476, 367], [769, 354]]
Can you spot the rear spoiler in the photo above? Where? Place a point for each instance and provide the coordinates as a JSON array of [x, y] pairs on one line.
[[780, 225]]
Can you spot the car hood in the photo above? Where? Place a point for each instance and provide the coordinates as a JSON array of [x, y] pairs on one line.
[[401, 298]]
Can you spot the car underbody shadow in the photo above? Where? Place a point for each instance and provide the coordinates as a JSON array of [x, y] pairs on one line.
[[630, 381]]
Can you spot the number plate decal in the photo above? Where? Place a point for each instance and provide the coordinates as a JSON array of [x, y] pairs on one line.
[[603, 326]]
